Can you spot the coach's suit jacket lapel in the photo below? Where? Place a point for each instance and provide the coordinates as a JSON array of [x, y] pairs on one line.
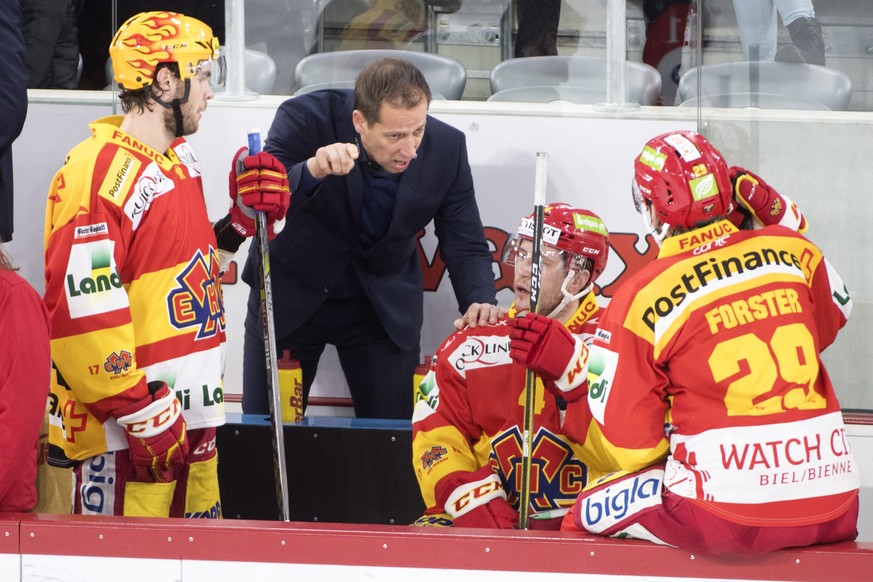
[[354, 181]]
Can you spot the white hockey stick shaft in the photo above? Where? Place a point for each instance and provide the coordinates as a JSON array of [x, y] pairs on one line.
[[530, 386], [266, 292]]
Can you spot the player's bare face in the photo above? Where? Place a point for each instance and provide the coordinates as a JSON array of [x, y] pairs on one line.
[[553, 274], [392, 141], [198, 96]]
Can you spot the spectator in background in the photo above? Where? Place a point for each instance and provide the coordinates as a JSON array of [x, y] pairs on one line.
[[25, 367], [756, 21], [537, 27], [52, 41], [388, 24], [665, 38], [13, 104], [538, 23], [392, 24]]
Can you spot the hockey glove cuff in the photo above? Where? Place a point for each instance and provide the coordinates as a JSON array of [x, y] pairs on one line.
[[545, 346], [156, 434], [477, 499], [764, 203], [258, 183]]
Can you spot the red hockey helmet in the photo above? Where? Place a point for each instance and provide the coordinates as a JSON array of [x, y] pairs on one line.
[[684, 177], [579, 232]]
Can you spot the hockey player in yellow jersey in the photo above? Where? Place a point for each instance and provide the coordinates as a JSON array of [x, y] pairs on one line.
[[469, 411], [705, 376], [132, 266]]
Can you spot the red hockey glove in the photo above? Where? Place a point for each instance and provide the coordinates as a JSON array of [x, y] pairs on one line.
[[496, 514], [545, 346], [258, 183], [155, 431], [764, 203], [476, 499]]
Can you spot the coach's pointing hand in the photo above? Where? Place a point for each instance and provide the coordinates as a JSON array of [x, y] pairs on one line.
[[336, 159]]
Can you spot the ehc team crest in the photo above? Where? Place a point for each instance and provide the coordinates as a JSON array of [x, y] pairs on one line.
[[558, 476], [197, 300]]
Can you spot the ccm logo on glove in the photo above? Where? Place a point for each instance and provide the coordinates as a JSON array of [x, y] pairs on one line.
[[477, 499], [156, 434], [475, 493], [154, 418]]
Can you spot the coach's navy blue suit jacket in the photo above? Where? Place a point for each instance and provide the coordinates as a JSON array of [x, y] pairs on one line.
[[13, 104], [322, 232]]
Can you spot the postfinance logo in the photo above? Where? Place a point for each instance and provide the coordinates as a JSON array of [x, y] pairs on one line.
[[197, 301], [122, 170], [92, 284]]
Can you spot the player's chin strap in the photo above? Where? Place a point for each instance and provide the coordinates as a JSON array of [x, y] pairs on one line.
[[659, 234], [175, 105], [567, 296]]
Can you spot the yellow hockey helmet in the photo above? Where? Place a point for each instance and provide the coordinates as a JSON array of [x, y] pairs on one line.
[[150, 38]]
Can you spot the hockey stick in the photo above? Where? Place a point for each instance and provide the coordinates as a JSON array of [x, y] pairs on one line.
[[530, 385], [266, 292]]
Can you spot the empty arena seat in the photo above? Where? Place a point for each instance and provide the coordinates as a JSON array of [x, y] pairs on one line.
[[446, 76], [574, 78], [766, 85]]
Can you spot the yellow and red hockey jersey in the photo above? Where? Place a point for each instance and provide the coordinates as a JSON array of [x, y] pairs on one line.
[[132, 286], [469, 414], [710, 357]]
